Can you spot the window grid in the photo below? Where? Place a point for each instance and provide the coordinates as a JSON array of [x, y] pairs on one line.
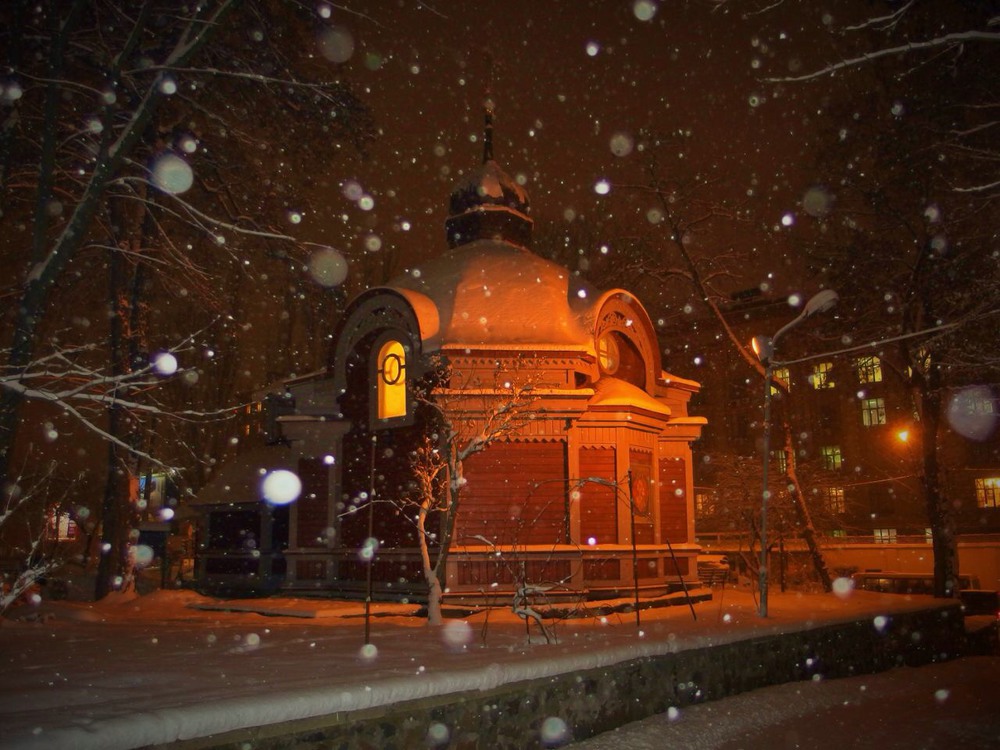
[[832, 458], [885, 536], [988, 492], [869, 370], [872, 411], [704, 503], [61, 527], [783, 376], [835, 500], [821, 376]]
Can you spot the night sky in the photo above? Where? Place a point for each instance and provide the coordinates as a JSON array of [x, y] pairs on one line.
[[573, 83]]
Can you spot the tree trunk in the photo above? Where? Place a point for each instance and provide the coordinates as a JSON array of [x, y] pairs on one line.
[[940, 513], [51, 255], [114, 541], [434, 591], [806, 527]]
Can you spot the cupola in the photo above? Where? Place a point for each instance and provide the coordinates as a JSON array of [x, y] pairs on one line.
[[488, 204]]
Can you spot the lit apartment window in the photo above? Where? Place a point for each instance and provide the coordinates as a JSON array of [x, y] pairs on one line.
[[980, 404], [61, 527], [781, 375], [988, 492], [872, 411], [835, 500], [838, 533], [869, 370], [885, 536], [704, 503], [821, 378], [778, 457], [832, 459]]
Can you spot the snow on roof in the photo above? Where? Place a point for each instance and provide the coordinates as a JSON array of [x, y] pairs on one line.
[[488, 185], [238, 481], [616, 392], [668, 378], [490, 292]]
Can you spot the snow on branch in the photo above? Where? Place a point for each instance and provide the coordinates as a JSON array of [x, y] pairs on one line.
[[945, 40], [882, 23], [59, 378], [978, 188]]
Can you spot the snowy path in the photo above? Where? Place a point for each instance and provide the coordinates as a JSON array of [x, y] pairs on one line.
[[115, 676], [949, 705]]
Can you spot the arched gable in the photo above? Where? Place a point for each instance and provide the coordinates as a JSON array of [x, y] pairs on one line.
[[622, 329], [381, 323]]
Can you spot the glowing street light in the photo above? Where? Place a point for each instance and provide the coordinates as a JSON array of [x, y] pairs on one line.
[[764, 348]]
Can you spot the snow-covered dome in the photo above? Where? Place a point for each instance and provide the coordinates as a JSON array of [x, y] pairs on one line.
[[493, 293], [487, 204]]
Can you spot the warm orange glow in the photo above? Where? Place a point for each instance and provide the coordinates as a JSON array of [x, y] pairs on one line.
[[903, 435], [391, 380], [607, 354]]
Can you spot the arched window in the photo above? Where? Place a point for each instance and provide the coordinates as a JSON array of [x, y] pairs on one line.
[[391, 380], [607, 353]]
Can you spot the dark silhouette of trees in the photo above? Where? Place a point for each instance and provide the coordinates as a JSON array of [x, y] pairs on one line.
[[159, 153]]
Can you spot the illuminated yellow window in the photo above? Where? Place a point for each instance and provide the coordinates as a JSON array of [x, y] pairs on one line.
[[832, 457], [781, 374], [391, 380], [869, 370], [822, 378], [835, 500], [988, 492]]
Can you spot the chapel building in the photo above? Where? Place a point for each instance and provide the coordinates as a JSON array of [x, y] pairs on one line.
[[587, 492]]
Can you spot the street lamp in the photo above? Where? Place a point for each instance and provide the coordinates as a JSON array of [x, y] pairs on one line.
[[764, 347]]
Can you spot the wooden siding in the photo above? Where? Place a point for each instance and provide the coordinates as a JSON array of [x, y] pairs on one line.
[[677, 566], [598, 503], [386, 570], [673, 500], [602, 570], [515, 493], [641, 464], [509, 570]]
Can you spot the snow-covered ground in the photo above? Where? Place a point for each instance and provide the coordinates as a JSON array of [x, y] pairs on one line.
[[159, 668], [946, 705]]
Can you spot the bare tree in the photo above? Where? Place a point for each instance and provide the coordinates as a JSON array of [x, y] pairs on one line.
[[688, 211], [912, 39], [905, 219], [34, 512], [128, 143], [471, 417]]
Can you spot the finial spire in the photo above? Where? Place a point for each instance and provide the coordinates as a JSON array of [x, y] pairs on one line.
[[488, 106], [488, 133]]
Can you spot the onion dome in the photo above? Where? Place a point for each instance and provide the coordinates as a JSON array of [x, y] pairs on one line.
[[488, 204]]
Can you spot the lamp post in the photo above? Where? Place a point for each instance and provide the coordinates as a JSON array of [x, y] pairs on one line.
[[764, 347]]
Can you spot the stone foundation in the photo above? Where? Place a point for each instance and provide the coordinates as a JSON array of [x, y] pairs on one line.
[[553, 711]]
